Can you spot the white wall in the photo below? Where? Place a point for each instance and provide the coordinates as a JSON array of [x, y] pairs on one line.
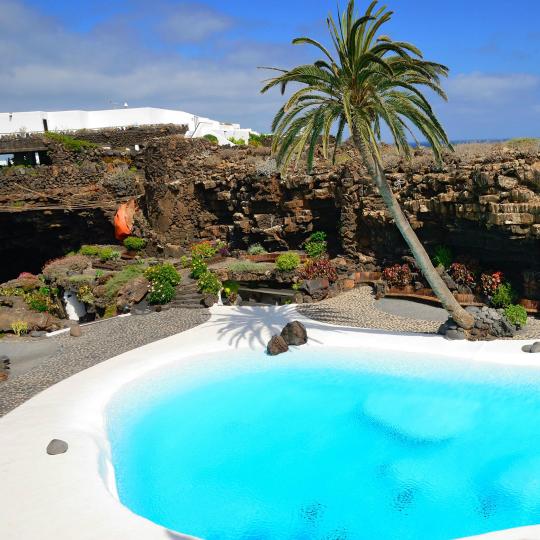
[[20, 122]]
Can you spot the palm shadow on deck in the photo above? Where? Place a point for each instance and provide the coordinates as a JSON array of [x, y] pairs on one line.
[[258, 324]]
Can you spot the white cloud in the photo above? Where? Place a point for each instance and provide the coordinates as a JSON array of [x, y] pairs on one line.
[[50, 67], [486, 88], [193, 23]]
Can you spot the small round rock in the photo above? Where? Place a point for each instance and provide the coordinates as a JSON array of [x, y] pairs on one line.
[[57, 446]]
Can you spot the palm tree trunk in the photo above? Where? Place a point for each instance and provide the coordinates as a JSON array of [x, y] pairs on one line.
[[460, 315]]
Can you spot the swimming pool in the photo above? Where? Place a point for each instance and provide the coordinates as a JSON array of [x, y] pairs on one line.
[[330, 444]]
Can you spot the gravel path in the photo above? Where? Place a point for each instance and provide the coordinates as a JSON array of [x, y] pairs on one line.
[[358, 307], [98, 342]]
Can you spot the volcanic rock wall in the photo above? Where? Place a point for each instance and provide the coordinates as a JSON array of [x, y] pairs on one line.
[[485, 204]]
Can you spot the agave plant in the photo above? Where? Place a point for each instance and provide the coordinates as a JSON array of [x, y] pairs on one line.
[[369, 80]]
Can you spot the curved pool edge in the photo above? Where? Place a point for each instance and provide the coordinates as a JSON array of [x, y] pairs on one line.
[[42, 495]]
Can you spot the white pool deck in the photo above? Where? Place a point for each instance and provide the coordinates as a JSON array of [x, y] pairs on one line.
[[71, 496]]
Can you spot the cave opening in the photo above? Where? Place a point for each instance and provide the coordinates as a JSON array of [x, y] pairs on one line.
[[31, 238]]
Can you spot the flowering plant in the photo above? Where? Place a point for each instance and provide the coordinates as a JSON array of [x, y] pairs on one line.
[[461, 274], [398, 275], [490, 282], [319, 268], [203, 250]]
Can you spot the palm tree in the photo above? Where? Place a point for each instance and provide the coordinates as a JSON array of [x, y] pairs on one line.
[[372, 80]]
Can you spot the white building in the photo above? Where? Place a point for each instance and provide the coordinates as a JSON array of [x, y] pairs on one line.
[[40, 121]]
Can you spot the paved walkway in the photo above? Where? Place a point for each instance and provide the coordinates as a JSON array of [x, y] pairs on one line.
[[63, 356]]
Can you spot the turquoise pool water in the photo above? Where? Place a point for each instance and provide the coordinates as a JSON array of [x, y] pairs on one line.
[[330, 445]]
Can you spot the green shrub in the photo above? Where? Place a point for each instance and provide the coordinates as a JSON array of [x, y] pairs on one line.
[[198, 267], [41, 300], [118, 280], [103, 253], [287, 262], [90, 251], [134, 244], [249, 266], [69, 143], [211, 138], [203, 250], [209, 283], [19, 327], [230, 287], [163, 273], [108, 254], [85, 294], [316, 245], [443, 256], [160, 292], [239, 142], [185, 261], [517, 315], [110, 311], [503, 296], [256, 249]]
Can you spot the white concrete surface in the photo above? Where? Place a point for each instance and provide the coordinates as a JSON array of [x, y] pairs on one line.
[[32, 122], [72, 496]]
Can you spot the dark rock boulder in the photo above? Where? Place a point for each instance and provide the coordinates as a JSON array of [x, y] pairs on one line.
[[14, 309], [294, 333], [315, 286], [276, 345], [75, 330], [56, 447], [452, 331], [132, 292], [209, 300]]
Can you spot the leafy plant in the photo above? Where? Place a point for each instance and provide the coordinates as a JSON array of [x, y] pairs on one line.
[[461, 274], [134, 244], [198, 267], [489, 283], [11, 291], [287, 262], [19, 327], [185, 262], [85, 294], [102, 253], [99, 273], [398, 275], [203, 250], [256, 249], [90, 251], [40, 300], [119, 279], [230, 287], [211, 138], [108, 254], [443, 256], [110, 311], [319, 268], [316, 245], [70, 143], [163, 273], [160, 292], [239, 142], [221, 248], [503, 296], [516, 314], [241, 267], [208, 283]]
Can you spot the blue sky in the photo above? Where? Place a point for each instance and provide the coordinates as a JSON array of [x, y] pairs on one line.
[[203, 56]]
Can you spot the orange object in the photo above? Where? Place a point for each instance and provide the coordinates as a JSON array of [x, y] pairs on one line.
[[123, 220]]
